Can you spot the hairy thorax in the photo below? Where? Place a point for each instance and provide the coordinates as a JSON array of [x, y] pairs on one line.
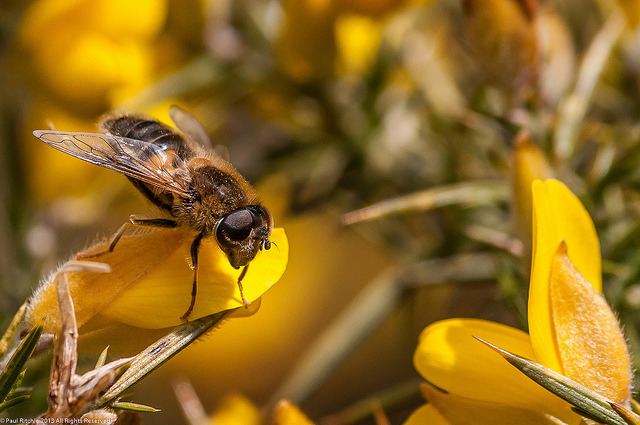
[[215, 193]]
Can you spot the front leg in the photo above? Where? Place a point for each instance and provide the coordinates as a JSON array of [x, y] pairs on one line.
[[242, 274], [133, 221], [195, 247]]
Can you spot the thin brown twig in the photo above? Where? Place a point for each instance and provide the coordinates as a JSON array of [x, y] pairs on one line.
[[189, 402], [72, 395], [496, 238], [379, 416], [406, 392], [65, 356], [466, 193]]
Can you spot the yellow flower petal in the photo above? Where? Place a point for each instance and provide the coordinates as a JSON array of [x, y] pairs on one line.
[[465, 411], [84, 49], [38, 17], [156, 300], [119, 19], [631, 10], [92, 292], [357, 39], [286, 413], [426, 414], [236, 409], [83, 68], [450, 358], [150, 282], [115, 18], [529, 164], [557, 215], [591, 347]]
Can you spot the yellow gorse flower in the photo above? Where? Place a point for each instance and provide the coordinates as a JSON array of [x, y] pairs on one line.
[[150, 283], [318, 36], [529, 163], [84, 51], [286, 413], [572, 331], [357, 41], [236, 409]]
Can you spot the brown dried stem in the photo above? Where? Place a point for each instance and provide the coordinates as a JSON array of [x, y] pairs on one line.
[[72, 395]]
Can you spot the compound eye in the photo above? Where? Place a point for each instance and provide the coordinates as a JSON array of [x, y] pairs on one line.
[[236, 226]]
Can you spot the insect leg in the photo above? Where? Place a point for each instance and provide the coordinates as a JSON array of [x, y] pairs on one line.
[[242, 274], [133, 221], [195, 246]]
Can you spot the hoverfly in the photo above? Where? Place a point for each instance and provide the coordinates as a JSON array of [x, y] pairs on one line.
[[181, 174]]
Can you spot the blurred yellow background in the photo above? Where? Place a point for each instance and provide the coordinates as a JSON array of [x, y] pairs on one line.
[[326, 106]]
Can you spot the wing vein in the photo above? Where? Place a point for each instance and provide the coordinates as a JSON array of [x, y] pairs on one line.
[[137, 159]]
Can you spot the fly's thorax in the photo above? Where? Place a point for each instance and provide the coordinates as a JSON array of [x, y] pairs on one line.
[[216, 190], [223, 204]]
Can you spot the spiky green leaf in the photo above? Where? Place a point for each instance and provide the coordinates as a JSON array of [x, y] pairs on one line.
[[133, 407], [159, 352], [11, 330], [588, 402], [18, 361], [102, 359], [13, 402]]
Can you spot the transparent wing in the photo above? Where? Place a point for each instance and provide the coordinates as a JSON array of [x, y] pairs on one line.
[[195, 132], [140, 160], [190, 126]]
